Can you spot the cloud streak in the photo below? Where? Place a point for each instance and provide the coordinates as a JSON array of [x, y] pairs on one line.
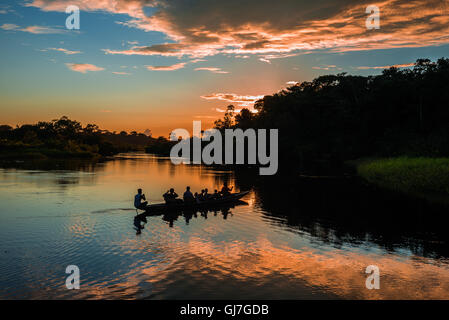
[[69, 52], [83, 67], [328, 67], [405, 65], [240, 100], [173, 67], [9, 27], [121, 73], [211, 69], [209, 27], [32, 29]]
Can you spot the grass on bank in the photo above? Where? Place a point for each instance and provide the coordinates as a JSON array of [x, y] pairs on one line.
[[409, 175]]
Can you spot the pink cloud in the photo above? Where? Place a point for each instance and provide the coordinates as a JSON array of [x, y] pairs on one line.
[[405, 65], [83, 67], [69, 52], [267, 58], [240, 100], [167, 68], [121, 73], [328, 67], [165, 49], [211, 69], [257, 27], [31, 29], [41, 30]]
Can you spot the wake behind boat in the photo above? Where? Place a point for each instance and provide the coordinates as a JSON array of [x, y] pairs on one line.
[[181, 205]]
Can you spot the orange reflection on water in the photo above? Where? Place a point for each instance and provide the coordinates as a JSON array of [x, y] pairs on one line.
[[340, 273], [245, 254], [155, 176]]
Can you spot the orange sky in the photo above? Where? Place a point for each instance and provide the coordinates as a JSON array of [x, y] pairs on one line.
[[159, 65]]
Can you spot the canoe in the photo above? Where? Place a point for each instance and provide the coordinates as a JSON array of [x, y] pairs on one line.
[[233, 197]]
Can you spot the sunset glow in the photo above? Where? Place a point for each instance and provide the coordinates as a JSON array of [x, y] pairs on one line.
[[161, 64]]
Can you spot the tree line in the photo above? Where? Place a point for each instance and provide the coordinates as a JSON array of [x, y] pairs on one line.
[[335, 118], [65, 138]]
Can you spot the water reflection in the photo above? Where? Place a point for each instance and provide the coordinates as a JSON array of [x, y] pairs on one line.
[[292, 239], [339, 212], [171, 216]]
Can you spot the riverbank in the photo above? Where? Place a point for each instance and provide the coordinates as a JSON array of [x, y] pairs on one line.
[[41, 153], [424, 177], [66, 139]]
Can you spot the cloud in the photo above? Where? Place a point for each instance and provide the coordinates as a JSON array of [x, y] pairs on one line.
[[291, 83], [167, 68], [211, 69], [197, 60], [6, 10], [32, 29], [208, 27], [42, 30], [64, 51], [267, 58], [405, 65], [83, 67], [165, 49], [121, 73], [328, 67], [9, 26], [240, 100]]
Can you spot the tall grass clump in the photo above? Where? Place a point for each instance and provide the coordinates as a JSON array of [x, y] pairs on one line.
[[409, 175]]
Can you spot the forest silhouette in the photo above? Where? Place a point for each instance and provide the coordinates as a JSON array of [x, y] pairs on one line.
[[65, 138], [322, 123], [335, 118]]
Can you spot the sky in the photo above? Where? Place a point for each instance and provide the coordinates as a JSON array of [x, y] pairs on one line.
[[161, 64]]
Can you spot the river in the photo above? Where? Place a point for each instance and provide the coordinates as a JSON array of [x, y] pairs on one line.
[[307, 239]]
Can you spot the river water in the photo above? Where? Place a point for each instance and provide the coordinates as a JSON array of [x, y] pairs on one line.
[[306, 239]]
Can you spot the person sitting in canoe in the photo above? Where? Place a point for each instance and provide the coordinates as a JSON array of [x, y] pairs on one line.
[[216, 195], [225, 191], [170, 197], [197, 197], [202, 196], [188, 196], [138, 200]]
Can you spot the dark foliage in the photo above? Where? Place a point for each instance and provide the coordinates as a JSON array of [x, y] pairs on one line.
[[160, 146], [340, 117], [65, 138]]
